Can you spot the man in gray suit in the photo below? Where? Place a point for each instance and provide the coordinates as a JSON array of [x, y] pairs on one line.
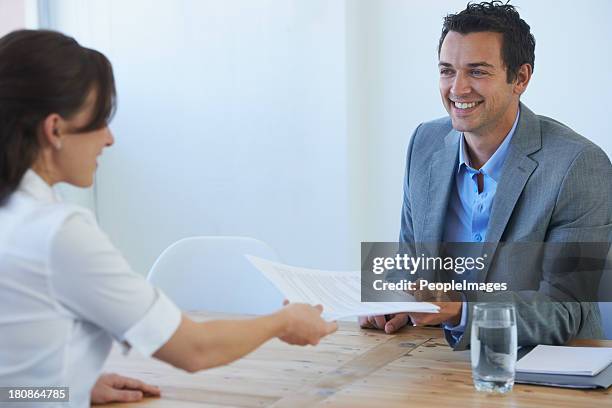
[[493, 171]]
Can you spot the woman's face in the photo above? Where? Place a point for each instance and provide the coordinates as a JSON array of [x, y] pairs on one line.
[[74, 154]]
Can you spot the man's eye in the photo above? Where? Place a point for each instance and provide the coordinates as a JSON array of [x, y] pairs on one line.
[[445, 72], [477, 72]]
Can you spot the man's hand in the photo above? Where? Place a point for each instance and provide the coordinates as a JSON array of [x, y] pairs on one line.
[[116, 388], [449, 313], [394, 323], [450, 304]]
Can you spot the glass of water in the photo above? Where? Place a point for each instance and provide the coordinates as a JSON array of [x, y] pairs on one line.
[[493, 347]]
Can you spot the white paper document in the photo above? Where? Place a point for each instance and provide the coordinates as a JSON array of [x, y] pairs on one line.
[[587, 361], [338, 292]]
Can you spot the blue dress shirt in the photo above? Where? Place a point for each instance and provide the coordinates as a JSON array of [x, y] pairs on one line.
[[467, 216]]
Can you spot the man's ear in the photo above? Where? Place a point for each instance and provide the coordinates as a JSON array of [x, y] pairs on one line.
[[51, 134], [522, 78]]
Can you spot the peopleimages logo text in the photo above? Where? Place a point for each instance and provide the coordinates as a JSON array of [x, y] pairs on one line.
[[422, 284]]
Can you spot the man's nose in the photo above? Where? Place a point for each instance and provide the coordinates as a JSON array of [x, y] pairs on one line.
[[461, 85]]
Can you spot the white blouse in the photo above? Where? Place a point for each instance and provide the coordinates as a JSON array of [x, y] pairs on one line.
[[65, 293]]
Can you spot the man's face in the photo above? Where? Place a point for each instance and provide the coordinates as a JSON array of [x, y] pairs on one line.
[[473, 83]]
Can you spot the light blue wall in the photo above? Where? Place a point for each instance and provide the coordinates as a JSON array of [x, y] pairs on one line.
[[288, 120], [231, 121]]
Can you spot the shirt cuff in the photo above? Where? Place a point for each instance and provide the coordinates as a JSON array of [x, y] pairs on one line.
[[156, 326], [460, 328]]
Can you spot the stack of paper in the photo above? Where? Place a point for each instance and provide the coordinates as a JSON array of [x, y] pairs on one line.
[[338, 292], [578, 367]]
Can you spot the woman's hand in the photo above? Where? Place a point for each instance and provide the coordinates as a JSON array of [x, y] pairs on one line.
[[116, 388], [303, 324]]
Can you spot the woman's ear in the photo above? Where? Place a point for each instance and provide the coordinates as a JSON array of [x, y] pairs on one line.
[[51, 131]]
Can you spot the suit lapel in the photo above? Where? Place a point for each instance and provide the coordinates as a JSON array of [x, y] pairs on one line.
[[440, 183], [516, 170], [513, 180]]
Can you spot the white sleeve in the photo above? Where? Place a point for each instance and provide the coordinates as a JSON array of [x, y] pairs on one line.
[[91, 279]]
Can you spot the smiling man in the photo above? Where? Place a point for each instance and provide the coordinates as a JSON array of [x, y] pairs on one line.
[[493, 171]]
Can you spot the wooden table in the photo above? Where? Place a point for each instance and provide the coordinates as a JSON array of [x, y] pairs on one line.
[[351, 368]]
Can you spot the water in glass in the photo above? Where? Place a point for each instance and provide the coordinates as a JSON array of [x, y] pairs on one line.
[[493, 347]]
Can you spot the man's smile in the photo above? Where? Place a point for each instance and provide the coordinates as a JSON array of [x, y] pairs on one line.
[[464, 108]]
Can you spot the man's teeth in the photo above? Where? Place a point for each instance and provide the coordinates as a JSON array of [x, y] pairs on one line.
[[460, 105]]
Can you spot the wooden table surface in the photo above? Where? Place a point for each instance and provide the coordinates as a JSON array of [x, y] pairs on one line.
[[351, 368]]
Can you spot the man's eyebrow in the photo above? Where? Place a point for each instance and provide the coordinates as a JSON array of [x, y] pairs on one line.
[[480, 64], [471, 64]]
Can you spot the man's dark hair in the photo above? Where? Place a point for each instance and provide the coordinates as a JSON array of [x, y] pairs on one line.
[[518, 46], [44, 72]]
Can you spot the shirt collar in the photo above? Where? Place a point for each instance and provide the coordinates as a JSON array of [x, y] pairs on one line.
[[33, 185], [493, 166]]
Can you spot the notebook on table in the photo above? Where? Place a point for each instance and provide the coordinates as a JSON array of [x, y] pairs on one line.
[[572, 367]]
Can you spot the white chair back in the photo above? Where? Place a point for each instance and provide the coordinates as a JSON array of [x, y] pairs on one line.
[[211, 273]]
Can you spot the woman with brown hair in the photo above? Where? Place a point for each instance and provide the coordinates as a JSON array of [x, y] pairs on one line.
[[65, 291]]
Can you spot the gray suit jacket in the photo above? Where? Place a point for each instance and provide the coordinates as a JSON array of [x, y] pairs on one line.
[[556, 186]]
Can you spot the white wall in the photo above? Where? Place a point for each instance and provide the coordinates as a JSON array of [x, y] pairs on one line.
[[17, 14], [288, 120], [12, 16], [231, 121]]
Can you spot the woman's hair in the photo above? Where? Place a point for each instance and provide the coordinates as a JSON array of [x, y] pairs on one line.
[[44, 72]]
